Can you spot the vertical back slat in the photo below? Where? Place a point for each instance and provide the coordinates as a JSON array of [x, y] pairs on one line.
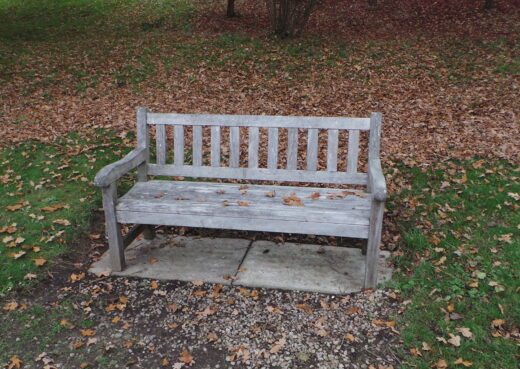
[[178, 145], [353, 150], [143, 140], [234, 147], [375, 135], [292, 148], [312, 149], [332, 150], [253, 147], [272, 148], [197, 146], [215, 146], [160, 141]]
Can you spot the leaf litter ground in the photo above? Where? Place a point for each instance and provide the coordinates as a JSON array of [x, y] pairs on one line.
[[445, 79]]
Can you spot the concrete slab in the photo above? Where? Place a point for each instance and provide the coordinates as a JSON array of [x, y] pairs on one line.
[[290, 266], [313, 268], [185, 259]]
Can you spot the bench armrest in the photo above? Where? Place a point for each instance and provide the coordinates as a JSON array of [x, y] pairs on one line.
[[376, 179], [112, 172]]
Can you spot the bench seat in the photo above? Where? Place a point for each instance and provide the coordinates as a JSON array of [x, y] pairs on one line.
[[216, 205]]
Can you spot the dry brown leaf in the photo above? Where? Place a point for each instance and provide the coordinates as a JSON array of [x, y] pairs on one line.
[[307, 308], [10, 306], [454, 340], [466, 363], [197, 283], [292, 200], [39, 261], [87, 332], [15, 363], [350, 337], [153, 260], [63, 222], [186, 358], [270, 194], [315, 196], [159, 195], [154, 285], [212, 337], [243, 203], [466, 332]]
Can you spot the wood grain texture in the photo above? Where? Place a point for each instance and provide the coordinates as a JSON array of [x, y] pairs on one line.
[[115, 240], [259, 174], [332, 150], [312, 149], [197, 146], [178, 145], [160, 141], [266, 121], [272, 148], [292, 148], [253, 147], [112, 172], [215, 146], [234, 147], [353, 151], [143, 140], [374, 241]]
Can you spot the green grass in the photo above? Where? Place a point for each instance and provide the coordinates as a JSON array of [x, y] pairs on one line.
[[37, 178], [459, 260], [43, 20]]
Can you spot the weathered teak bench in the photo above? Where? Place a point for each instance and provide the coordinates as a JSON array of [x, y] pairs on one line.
[[325, 211]]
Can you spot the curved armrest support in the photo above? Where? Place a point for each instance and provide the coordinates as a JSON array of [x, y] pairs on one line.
[[112, 172], [377, 183]]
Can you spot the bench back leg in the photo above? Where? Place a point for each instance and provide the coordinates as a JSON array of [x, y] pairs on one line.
[[115, 240], [149, 232], [373, 244]]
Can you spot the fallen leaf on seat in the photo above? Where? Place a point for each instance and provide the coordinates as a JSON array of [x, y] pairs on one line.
[[243, 187], [243, 203], [315, 196], [292, 200], [221, 192], [225, 203], [159, 195], [270, 194]]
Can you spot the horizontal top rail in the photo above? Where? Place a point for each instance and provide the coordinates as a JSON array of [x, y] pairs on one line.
[[268, 121]]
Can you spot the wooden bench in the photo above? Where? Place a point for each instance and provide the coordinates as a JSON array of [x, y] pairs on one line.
[[325, 211]]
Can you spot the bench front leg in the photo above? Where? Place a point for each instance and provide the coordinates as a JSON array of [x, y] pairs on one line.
[[373, 244], [115, 240]]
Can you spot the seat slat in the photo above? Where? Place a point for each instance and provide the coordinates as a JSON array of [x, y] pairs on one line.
[[215, 146], [160, 141], [251, 224], [332, 150], [253, 147], [178, 145], [272, 148], [197, 146], [353, 151], [292, 148], [234, 147], [312, 149], [202, 199]]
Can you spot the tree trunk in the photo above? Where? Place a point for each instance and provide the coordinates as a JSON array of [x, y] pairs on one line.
[[489, 4], [230, 8], [289, 17], [372, 4]]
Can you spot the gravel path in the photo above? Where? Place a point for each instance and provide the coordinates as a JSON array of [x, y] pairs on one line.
[[153, 324]]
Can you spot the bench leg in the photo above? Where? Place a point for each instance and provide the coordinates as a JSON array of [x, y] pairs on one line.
[[149, 232], [373, 244], [115, 240]]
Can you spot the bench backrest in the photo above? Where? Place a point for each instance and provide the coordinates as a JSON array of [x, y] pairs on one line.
[[215, 167]]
